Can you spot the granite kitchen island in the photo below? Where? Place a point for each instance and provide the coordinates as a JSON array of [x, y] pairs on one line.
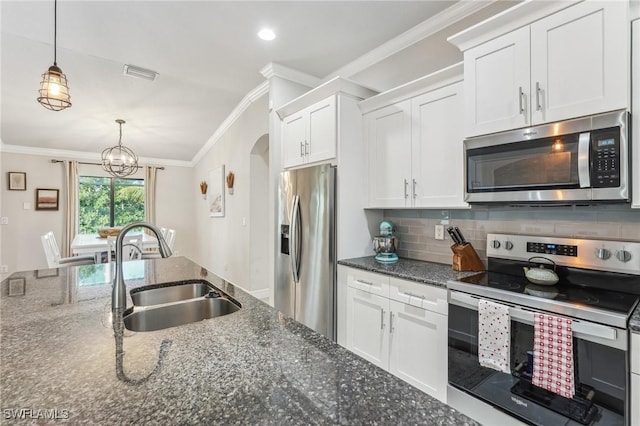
[[255, 366]]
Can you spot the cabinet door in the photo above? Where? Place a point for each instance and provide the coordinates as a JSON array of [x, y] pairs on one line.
[[496, 84], [437, 150], [388, 140], [635, 117], [321, 134], [367, 328], [635, 399], [418, 348], [293, 139], [579, 61]]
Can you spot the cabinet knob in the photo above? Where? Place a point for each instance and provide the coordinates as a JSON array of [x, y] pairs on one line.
[[495, 244], [623, 256], [603, 253]]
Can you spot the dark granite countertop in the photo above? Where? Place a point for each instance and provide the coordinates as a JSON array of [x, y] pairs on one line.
[[415, 270], [634, 322], [255, 366]]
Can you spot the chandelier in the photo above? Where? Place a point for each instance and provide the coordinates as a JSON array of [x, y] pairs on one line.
[[119, 161], [54, 90]]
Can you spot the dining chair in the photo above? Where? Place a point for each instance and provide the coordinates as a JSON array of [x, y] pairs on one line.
[[170, 237], [55, 260], [131, 249]]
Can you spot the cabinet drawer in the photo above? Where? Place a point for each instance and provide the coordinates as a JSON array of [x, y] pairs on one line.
[[635, 353], [421, 295], [368, 281]]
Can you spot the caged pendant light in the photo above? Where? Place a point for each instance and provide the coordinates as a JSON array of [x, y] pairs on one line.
[[119, 161], [54, 90]]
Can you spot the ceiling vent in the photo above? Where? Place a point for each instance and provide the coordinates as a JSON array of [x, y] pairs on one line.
[[137, 72]]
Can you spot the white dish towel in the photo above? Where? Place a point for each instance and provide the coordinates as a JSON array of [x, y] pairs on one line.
[[494, 336]]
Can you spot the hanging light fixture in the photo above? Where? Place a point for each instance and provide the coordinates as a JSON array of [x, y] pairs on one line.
[[54, 91], [119, 161]]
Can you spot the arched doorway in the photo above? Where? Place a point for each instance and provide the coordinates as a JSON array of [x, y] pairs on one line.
[[259, 218]]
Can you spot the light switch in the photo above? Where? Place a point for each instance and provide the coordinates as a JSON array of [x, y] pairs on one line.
[[4, 220], [26, 206]]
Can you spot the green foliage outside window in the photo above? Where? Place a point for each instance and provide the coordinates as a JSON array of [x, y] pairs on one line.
[[108, 201]]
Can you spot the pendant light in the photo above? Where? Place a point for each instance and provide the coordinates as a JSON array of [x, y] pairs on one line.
[[119, 161], [54, 91]]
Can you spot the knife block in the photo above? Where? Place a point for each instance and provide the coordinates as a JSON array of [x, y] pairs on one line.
[[465, 258]]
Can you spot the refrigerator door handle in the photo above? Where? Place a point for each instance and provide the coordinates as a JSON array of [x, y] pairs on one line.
[[295, 238]]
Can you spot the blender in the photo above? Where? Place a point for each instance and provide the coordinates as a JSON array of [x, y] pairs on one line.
[[386, 243]]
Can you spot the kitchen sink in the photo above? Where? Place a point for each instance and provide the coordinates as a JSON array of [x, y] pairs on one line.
[[174, 304], [170, 292]]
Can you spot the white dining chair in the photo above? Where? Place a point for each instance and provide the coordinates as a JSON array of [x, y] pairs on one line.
[[131, 249], [55, 260], [170, 237]]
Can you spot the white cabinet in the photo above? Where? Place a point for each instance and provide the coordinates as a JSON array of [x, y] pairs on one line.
[[403, 331], [388, 141], [568, 64], [414, 148], [309, 136]]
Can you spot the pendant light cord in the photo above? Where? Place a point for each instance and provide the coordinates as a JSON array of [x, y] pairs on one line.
[[55, 31]]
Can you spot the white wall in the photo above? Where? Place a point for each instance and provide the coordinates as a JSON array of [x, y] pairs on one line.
[[21, 245], [221, 244]]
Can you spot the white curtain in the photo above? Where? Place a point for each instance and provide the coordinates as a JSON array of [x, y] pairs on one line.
[[71, 207], [150, 194]]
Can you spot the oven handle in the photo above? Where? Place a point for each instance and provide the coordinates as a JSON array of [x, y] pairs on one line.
[[526, 316], [583, 160]]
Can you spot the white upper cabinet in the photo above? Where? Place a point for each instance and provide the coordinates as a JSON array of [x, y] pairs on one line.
[[309, 135], [496, 80], [388, 140], [437, 151], [635, 119], [551, 65], [413, 139]]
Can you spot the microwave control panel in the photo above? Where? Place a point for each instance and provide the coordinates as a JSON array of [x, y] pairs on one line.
[[605, 158]]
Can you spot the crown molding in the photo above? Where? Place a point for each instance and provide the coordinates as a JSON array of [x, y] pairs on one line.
[[450, 15], [274, 69], [83, 155], [250, 97]]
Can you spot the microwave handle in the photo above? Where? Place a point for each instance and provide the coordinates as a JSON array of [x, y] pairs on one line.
[[584, 168]]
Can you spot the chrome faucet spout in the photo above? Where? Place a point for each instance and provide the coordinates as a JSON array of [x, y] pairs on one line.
[[119, 292]]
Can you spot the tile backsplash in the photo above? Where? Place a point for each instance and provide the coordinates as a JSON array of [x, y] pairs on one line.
[[415, 228]]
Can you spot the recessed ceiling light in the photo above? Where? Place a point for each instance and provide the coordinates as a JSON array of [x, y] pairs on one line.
[[266, 34]]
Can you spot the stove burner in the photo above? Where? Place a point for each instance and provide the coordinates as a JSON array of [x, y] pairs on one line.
[[505, 285], [541, 291]]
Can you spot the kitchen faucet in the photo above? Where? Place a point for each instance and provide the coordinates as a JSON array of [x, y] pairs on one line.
[[119, 294]]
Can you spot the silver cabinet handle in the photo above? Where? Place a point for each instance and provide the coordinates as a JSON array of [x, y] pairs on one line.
[[391, 323], [414, 184], [406, 194], [381, 319], [538, 106], [306, 148], [301, 150], [520, 100], [364, 282], [584, 145]]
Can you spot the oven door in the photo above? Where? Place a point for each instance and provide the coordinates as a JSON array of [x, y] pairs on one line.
[[600, 354]]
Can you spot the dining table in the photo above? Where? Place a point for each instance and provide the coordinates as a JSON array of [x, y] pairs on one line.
[[93, 243]]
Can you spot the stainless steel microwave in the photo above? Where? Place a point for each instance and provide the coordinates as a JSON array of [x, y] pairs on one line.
[[574, 161]]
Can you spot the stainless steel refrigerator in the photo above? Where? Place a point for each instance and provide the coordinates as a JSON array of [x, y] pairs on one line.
[[306, 255]]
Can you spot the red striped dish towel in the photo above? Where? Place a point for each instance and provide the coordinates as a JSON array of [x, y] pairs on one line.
[[553, 354], [494, 336]]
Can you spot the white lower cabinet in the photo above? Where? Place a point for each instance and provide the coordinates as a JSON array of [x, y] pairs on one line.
[[403, 330], [635, 379]]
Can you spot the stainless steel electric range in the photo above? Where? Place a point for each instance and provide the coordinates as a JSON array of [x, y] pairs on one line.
[[598, 288]]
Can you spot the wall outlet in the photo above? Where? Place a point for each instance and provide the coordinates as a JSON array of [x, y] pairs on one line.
[[439, 232], [4, 269]]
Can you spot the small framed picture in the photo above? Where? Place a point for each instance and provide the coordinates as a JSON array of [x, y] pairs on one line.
[[17, 181], [17, 286], [47, 199], [216, 199], [46, 273]]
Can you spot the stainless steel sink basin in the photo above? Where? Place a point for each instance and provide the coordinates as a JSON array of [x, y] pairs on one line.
[[172, 304], [171, 292], [173, 314]]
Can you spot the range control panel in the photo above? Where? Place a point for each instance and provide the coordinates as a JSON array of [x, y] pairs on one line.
[[549, 248], [604, 255]]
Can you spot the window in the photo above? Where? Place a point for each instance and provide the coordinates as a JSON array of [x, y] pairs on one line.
[[108, 201]]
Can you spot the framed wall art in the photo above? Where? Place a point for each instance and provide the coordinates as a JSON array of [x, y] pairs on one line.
[[47, 199], [17, 181], [216, 192]]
